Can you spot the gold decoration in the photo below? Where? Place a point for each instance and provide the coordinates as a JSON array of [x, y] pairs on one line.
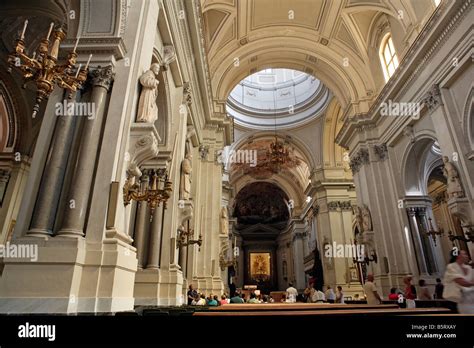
[[153, 189], [185, 237], [43, 68]]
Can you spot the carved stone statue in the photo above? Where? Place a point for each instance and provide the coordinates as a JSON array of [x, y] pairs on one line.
[[358, 216], [454, 183], [185, 184], [224, 221], [366, 219], [147, 108]]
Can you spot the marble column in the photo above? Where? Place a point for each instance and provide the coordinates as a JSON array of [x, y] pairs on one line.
[[79, 192], [51, 184], [140, 231], [154, 245], [420, 256]]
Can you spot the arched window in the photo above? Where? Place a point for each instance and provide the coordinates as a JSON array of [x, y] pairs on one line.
[[388, 57]]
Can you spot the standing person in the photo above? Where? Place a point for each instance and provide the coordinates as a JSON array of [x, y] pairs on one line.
[[459, 283], [339, 295], [330, 295], [291, 293], [191, 294], [318, 296], [424, 292], [373, 297], [438, 289], [410, 292]]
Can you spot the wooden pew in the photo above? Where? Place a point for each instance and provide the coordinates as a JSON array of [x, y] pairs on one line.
[[326, 312], [295, 306]]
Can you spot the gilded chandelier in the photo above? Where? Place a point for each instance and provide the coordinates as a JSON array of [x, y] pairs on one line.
[[278, 155], [152, 188], [43, 69]]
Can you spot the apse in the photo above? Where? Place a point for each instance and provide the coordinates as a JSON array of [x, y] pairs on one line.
[[261, 203]]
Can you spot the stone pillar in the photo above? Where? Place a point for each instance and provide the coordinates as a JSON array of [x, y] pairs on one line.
[[140, 231], [154, 245], [74, 218], [415, 232], [53, 175]]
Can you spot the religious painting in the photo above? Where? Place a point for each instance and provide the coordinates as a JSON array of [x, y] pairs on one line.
[[260, 269], [263, 203]]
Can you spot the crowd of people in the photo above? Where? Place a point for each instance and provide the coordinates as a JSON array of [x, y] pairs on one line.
[[457, 286], [199, 299]]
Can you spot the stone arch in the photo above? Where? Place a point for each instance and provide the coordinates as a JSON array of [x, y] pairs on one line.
[[418, 162], [468, 119]]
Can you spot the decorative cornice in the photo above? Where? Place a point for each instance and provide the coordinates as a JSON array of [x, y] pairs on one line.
[[408, 70]]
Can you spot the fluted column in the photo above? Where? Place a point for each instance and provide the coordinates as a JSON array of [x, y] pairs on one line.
[[50, 188], [79, 192]]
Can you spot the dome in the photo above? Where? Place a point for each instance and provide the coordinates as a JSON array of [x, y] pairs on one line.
[[291, 96]]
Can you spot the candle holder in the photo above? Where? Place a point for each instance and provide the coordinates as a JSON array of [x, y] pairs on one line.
[[43, 69], [470, 236], [185, 238], [432, 232], [153, 188]]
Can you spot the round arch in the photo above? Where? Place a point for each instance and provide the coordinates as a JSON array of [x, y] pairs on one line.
[[418, 161]]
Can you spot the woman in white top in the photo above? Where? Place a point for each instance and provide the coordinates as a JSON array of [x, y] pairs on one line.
[[459, 284]]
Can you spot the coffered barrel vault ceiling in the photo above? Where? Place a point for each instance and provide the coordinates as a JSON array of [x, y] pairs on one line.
[[327, 39]]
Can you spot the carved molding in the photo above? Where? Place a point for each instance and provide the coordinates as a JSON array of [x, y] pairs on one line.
[[203, 151], [359, 159], [432, 98], [381, 151], [187, 96], [342, 205], [103, 77], [143, 147]]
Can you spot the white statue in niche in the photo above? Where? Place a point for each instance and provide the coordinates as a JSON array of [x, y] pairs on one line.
[[454, 183], [147, 108], [185, 184]]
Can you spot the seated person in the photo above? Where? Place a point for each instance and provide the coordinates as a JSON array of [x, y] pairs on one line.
[[211, 301], [224, 300], [393, 296], [237, 298], [253, 298], [199, 300]]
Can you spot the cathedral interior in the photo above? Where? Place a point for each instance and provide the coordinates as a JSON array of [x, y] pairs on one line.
[[147, 146]]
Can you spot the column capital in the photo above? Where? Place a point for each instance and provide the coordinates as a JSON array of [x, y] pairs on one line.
[[381, 151], [432, 98], [359, 159], [103, 77]]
